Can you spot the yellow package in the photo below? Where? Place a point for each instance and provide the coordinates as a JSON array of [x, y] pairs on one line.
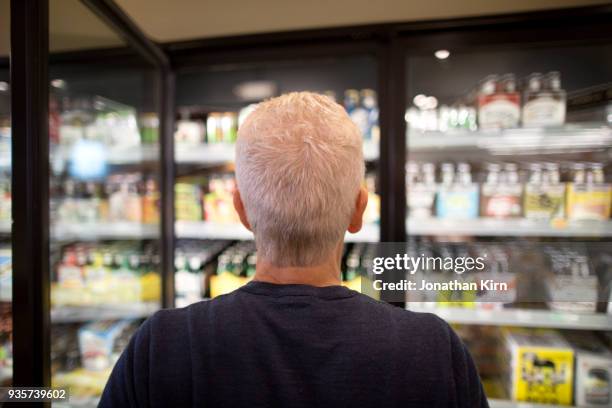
[[362, 284], [226, 282], [589, 201], [541, 367], [150, 287]]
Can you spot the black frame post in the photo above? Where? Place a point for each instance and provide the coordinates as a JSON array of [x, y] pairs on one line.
[[30, 191], [391, 72], [166, 127]]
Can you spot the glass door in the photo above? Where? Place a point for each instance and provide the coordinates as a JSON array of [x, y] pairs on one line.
[[6, 278], [509, 158], [215, 253], [104, 198]]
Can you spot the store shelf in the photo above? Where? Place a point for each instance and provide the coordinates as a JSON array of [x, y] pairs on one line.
[[78, 402], [72, 314], [222, 153], [114, 155], [5, 227], [211, 230], [5, 160], [521, 318], [569, 138], [508, 228], [99, 231], [498, 403], [207, 154], [371, 150]]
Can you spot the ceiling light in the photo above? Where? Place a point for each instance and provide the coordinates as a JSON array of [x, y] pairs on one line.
[[442, 54], [419, 100], [58, 83], [431, 102], [255, 90]]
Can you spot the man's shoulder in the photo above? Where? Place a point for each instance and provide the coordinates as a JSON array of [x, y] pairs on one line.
[[178, 318], [405, 321]]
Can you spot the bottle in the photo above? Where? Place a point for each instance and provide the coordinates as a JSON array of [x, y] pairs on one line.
[[544, 102], [421, 189], [357, 113], [251, 265], [489, 187], [68, 209], [91, 210], [150, 202], [229, 127], [544, 197], [501, 192], [134, 199], [372, 212], [458, 195], [127, 287], [149, 128], [370, 104], [588, 195], [214, 132], [187, 281], [498, 102]]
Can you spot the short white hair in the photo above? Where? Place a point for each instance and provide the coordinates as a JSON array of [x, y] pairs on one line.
[[299, 166]]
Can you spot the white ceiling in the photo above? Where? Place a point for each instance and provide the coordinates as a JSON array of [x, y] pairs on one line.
[[73, 26], [167, 20]]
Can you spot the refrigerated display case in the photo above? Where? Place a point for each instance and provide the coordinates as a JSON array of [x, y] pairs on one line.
[[508, 149], [215, 253], [104, 199], [6, 272]]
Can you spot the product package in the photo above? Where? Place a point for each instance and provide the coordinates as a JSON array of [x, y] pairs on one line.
[[540, 366], [457, 195], [499, 103], [593, 385], [589, 197], [97, 343]]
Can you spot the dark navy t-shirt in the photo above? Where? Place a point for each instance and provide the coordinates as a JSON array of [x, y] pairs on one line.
[[268, 345]]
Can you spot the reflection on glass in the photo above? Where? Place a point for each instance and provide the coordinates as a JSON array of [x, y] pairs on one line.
[[104, 201]]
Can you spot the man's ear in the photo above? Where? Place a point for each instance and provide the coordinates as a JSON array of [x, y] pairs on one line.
[[360, 205], [239, 206]]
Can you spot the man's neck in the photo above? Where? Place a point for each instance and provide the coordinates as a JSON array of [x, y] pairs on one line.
[[324, 274]]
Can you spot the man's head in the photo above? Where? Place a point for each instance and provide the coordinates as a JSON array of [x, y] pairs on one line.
[[299, 169]]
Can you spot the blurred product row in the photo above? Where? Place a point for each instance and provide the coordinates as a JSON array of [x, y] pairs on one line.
[[497, 102], [541, 191]]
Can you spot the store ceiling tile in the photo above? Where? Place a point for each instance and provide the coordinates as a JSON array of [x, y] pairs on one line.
[[166, 20]]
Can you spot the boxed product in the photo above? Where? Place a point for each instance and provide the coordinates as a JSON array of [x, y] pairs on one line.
[[188, 202], [573, 288], [499, 103], [543, 100], [541, 366], [593, 386], [589, 202], [97, 343]]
